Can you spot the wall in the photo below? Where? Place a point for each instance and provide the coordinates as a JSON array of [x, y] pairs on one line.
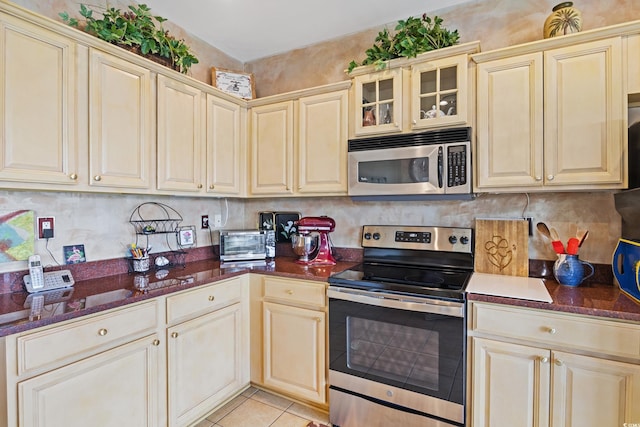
[[100, 222], [495, 23]]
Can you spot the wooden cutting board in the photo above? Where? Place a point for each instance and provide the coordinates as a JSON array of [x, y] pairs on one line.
[[502, 247]]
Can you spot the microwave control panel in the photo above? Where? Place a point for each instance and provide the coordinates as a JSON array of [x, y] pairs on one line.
[[456, 165]]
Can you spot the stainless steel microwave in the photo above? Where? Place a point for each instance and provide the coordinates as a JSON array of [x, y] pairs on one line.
[[435, 162], [243, 245]]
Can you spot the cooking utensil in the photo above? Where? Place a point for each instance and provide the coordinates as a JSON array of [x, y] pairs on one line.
[[558, 246], [554, 234], [583, 238], [544, 230], [572, 246]]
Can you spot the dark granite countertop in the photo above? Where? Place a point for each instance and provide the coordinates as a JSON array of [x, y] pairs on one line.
[[90, 296], [95, 295]]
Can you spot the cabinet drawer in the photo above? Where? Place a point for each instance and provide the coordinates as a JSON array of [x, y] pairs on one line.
[[557, 330], [203, 299], [295, 291], [77, 340]]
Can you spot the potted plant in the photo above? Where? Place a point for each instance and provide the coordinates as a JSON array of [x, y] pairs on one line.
[[136, 30], [413, 36]]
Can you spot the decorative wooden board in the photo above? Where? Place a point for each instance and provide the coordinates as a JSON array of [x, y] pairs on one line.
[[502, 247]]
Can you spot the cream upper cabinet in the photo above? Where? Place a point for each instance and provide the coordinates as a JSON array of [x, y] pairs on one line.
[[322, 143], [434, 89], [225, 146], [632, 57], [121, 123], [294, 338], [272, 132], [538, 368], [39, 107], [181, 136], [551, 120]]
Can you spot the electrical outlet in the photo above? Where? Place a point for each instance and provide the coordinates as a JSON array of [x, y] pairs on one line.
[[204, 222], [45, 227], [217, 221]]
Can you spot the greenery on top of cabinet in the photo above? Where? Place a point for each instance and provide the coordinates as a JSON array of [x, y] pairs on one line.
[[413, 36], [136, 30]]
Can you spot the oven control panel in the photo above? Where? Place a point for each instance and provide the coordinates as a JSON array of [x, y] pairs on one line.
[[450, 239]]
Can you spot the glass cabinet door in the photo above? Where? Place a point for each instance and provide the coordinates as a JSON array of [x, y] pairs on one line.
[[378, 102], [439, 92]]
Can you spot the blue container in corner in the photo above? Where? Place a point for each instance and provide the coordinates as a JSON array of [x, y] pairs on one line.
[[626, 266]]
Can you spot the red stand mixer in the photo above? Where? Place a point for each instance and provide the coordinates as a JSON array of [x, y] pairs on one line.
[[305, 244]]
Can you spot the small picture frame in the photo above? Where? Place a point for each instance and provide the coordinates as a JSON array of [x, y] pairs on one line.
[[187, 236], [74, 254], [234, 83]]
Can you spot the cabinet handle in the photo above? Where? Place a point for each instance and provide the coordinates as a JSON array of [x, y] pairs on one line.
[[156, 342], [559, 362], [287, 188], [199, 186], [414, 121], [550, 177], [318, 319], [174, 335], [73, 176], [396, 124], [538, 178], [97, 178], [552, 331], [211, 297], [289, 291], [544, 360], [102, 332], [211, 187]]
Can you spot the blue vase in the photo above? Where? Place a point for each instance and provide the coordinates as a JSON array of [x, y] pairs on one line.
[[569, 270]]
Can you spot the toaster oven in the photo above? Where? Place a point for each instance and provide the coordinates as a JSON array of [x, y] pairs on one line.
[[243, 245]]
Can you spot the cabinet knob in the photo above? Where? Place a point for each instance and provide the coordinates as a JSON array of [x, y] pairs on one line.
[[559, 362], [97, 178], [174, 335], [289, 291], [288, 189], [73, 176], [396, 124], [199, 186], [102, 332], [538, 178], [211, 298], [211, 187], [544, 360], [156, 342], [318, 320], [552, 331], [414, 121], [550, 177]]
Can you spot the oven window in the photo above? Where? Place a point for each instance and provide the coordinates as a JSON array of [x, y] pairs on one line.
[[398, 171], [421, 352]]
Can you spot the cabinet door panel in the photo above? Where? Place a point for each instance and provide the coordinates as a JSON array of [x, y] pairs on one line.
[[510, 385], [204, 359], [38, 108], [584, 121], [224, 140], [593, 392], [180, 136], [117, 388], [294, 351], [322, 156], [120, 123], [272, 148], [509, 148]]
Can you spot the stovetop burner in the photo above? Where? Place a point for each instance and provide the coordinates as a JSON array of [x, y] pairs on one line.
[[434, 262]]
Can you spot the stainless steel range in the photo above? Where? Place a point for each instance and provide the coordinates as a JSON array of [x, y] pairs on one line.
[[397, 329]]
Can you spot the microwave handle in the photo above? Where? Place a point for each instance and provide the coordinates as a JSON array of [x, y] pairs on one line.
[[440, 166]]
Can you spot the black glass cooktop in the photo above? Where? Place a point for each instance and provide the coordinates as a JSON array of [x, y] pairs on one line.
[[405, 280]]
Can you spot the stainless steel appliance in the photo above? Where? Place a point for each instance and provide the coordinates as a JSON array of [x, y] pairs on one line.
[[243, 245], [306, 245], [397, 329], [433, 163]]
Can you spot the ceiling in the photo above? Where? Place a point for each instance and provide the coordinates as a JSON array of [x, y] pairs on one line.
[[252, 29]]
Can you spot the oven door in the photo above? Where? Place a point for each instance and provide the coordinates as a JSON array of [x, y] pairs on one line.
[[398, 171], [398, 352]]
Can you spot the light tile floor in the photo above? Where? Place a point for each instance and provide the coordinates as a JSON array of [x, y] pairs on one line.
[[258, 408]]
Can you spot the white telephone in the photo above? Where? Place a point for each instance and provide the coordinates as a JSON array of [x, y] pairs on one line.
[[37, 280]]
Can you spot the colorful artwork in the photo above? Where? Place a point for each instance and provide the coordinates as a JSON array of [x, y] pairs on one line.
[[16, 235], [74, 254]]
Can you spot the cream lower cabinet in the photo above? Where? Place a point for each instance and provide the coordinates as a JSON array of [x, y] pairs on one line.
[[551, 119], [39, 107], [294, 335], [207, 348], [107, 369], [537, 369], [298, 143]]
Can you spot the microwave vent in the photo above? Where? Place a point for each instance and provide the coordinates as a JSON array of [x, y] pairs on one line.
[[440, 136]]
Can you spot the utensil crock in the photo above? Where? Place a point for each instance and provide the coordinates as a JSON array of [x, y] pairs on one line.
[[569, 270]]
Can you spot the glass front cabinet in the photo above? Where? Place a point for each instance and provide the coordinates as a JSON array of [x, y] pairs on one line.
[[429, 91]]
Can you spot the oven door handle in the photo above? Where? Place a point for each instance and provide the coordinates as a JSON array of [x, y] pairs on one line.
[[382, 299]]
